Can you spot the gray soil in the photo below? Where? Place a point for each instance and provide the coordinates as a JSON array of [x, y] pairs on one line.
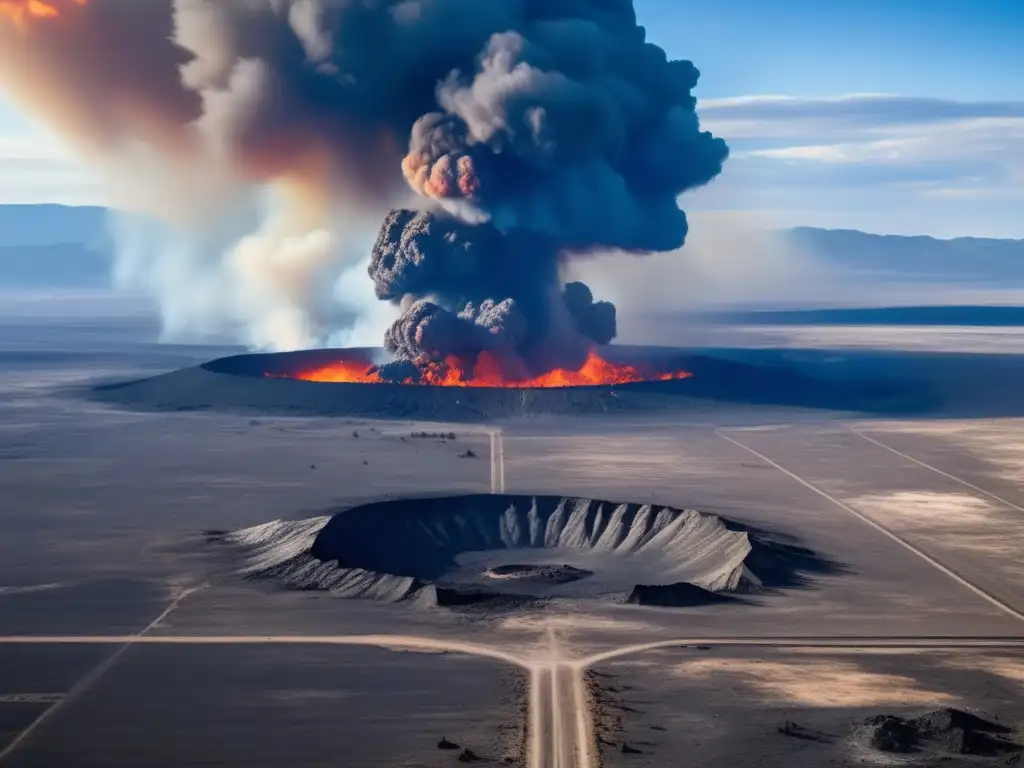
[[104, 523], [163, 707], [723, 708]]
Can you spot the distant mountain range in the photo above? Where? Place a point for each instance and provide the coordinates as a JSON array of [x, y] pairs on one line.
[[58, 265], [972, 259], [36, 225], [53, 246], [58, 246]]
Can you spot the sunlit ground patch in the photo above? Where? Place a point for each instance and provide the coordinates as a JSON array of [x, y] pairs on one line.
[[814, 683]]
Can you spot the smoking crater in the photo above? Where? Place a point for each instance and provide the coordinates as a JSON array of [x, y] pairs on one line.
[[498, 140]]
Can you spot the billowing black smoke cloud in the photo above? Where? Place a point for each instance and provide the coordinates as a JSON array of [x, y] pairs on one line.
[[488, 292], [568, 134], [531, 130]]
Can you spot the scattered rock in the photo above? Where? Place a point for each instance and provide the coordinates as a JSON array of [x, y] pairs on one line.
[[312, 466], [949, 730], [958, 741], [467, 455], [796, 731], [355, 433], [947, 719], [966, 742], [892, 734], [365, 462], [469, 756], [628, 750], [445, 744]]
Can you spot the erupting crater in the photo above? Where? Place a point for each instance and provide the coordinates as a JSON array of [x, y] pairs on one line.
[[617, 378], [509, 550]]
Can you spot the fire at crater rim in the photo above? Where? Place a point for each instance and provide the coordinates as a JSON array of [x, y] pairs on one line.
[[485, 373]]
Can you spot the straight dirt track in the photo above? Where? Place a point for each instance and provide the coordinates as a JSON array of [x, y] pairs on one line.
[[885, 531]]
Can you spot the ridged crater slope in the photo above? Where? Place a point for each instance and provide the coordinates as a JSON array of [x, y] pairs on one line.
[[476, 548]]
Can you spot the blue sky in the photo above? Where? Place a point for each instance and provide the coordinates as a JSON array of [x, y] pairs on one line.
[[895, 116], [956, 49]]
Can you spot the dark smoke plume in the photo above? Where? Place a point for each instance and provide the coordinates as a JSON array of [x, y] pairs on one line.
[[569, 134], [593, 319], [532, 130]]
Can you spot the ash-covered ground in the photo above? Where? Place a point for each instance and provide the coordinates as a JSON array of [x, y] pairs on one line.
[[109, 513], [811, 707]]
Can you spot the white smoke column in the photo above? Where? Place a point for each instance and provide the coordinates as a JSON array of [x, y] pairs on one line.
[[225, 186], [271, 273], [259, 272]]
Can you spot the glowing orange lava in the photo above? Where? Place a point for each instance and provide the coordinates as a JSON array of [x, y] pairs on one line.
[[23, 12], [596, 371]]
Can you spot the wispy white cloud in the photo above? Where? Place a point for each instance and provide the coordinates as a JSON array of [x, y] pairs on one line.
[[771, 117], [881, 162], [862, 158], [962, 142], [35, 167]]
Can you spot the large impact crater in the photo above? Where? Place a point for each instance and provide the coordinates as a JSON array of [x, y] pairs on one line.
[[470, 549]]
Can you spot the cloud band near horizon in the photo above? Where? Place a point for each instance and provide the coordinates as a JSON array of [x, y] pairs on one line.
[[879, 162]]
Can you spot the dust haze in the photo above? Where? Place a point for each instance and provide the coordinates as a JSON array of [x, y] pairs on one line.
[[730, 260]]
